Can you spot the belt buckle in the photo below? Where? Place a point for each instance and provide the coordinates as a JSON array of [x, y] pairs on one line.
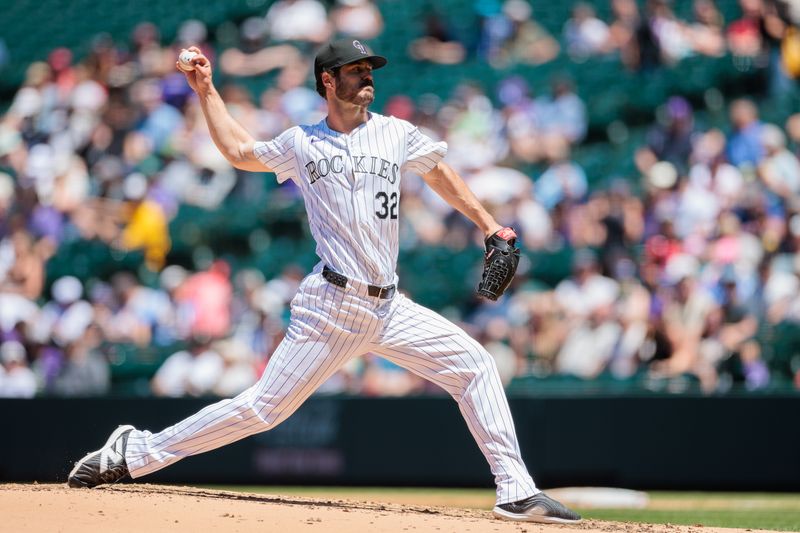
[[381, 290], [389, 289]]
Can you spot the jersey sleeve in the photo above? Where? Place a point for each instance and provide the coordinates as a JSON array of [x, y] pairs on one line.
[[423, 153], [278, 155]]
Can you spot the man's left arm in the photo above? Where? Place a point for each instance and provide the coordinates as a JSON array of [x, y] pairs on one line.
[[502, 256], [451, 187]]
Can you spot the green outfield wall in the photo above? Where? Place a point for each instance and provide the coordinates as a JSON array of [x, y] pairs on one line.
[[646, 442]]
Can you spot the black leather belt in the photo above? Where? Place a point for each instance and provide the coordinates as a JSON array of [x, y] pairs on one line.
[[337, 279]]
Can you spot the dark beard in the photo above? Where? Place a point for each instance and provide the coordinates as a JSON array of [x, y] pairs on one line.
[[352, 93]]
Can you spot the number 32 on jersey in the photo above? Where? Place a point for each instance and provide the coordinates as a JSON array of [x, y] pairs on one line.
[[387, 205]]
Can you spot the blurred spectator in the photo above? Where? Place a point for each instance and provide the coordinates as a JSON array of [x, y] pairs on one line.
[[255, 55], [474, 130], [745, 149], [706, 32], [239, 373], [613, 221], [780, 293], [497, 186], [16, 379], [85, 371], [438, 44], [180, 313], [206, 183], [192, 372], [686, 314], [64, 75], [160, 120], [793, 131], [360, 19], [649, 55], [585, 34], [298, 20], [633, 311], [744, 34], [595, 332], [522, 121], [670, 139], [299, 103], [625, 30], [66, 318], [678, 39], [510, 35], [780, 169], [144, 315], [349, 379], [147, 54], [192, 32], [755, 40], [257, 315], [118, 313], [208, 294], [732, 335], [145, 223], [697, 211], [381, 377], [21, 266], [564, 180], [711, 168], [15, 310], [671, 33], [662, 246], [571, 292], [562, 113]]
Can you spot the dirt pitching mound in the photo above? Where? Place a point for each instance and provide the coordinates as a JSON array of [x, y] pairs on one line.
[[141, 507]]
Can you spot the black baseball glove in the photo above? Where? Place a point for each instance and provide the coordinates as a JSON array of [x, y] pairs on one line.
[[499, 264]]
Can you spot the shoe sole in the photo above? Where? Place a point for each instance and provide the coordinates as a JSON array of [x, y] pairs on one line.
[[540, 519], [114, 436]]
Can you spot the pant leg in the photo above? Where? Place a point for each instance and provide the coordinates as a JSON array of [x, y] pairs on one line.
[[431, 346], [326, 330]]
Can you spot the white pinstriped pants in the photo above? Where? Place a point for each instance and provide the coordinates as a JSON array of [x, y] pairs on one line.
[[329, 326]]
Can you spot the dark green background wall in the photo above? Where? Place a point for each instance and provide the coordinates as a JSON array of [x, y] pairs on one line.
[[649, 442]]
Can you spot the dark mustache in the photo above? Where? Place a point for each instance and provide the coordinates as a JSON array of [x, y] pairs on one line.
[[367, 83]]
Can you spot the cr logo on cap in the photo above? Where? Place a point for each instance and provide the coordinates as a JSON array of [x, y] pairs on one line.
[[360, 47]]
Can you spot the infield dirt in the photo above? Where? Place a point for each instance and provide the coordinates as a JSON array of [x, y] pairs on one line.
[[153, 508]]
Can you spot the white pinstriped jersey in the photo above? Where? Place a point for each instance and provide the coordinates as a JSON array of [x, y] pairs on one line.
[[351, 187]]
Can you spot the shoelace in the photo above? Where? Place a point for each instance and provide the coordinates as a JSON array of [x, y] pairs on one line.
[[114, 473]]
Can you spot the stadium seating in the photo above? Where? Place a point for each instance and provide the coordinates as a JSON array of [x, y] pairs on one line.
[[613, 96]]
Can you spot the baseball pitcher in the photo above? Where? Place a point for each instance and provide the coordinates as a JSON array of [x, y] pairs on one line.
[[348, 168]]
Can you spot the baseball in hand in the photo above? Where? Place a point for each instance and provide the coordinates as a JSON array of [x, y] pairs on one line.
[[185, 60]]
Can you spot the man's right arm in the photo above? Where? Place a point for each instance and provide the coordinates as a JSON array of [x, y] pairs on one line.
[[232, 140]]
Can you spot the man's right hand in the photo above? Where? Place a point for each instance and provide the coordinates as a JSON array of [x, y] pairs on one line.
[[231, 139], [200, 78]]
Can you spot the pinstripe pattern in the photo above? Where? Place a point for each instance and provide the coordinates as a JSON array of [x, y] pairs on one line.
[[434, 348], [349, 182], [341, 205]]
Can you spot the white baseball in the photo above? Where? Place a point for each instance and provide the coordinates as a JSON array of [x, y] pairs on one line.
[[185, 60]]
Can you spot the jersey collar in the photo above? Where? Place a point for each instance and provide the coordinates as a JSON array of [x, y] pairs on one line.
[[333, 132]]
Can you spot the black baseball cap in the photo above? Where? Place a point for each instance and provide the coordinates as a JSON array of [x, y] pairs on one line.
[[341, 52]]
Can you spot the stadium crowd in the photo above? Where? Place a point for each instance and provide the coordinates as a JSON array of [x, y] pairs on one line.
[[683, 269]]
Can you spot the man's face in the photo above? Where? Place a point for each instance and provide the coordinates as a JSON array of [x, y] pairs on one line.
[[354, 83]]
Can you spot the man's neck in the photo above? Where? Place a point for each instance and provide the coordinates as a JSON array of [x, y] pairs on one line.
[[345, 117]]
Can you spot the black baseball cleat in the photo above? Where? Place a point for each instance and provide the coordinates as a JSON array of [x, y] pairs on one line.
[[106, 465], [538, 508]]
